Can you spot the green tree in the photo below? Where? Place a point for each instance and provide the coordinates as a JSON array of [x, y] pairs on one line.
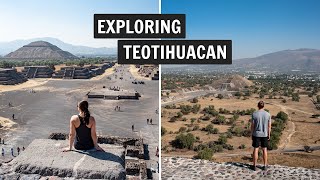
[[206, 153], [184, 141]]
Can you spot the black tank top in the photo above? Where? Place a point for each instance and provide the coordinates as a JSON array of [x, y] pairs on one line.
[[83, 140]]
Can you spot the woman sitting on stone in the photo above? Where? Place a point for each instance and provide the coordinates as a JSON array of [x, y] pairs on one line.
[[83, 130]]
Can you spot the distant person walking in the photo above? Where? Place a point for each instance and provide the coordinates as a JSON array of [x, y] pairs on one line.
[[2, 152], [83, 135], [12, 152], [151, 121], [12, 116], [23, 148], [2, 141], [147, 121], [132, 127], [18, 150], [261, 129]]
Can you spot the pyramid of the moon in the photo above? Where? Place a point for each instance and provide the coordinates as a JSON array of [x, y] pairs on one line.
[[232, 83], [40, 50]]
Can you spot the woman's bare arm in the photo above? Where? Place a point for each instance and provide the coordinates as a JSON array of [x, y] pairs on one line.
[[94, 135], [72, 134]]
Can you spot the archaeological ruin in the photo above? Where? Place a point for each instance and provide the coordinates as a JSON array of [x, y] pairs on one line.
[[11, 77]]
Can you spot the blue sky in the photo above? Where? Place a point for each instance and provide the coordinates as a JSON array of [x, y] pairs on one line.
[[68, 20], [256, 27]]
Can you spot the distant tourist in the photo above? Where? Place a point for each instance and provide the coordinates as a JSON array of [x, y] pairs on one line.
[[83, 135], [2, 141], [12, 116], [23, 148], [148, 121], [132, 127], [2, 152], [12, 152], [18, 150], [157, 152], [261, 129]]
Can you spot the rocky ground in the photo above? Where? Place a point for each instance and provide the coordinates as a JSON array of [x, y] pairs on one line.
[[45, 157], [182, 168]]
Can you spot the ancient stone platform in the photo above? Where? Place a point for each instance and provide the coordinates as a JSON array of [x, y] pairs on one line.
[[45, 157], [182, 168]]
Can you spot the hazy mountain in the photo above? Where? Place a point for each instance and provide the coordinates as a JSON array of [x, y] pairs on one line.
[[40, 50], [299, 59], [283, 61], [7, 47]]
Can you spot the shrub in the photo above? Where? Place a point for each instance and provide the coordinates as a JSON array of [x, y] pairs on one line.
[[200, 147], [195, 100], [215, 131], [206, 153], [283, 116], [295, 97], [228, 146], [205, 118], [220, 96], [196, 127], [173, 119], [229, 135], [196, 108], [179, 115], [184, 141], [242, 146], [182, 129], [219, 120], [193, 120], [222, 139], [216, 147], [163, 131]]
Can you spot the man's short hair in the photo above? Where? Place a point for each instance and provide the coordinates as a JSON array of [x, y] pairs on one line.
[[260, 104]]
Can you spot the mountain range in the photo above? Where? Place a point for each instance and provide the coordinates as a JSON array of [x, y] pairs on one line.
[[281, 61], [8, 47]]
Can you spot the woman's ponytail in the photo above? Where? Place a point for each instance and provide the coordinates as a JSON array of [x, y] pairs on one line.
[[83, 106]]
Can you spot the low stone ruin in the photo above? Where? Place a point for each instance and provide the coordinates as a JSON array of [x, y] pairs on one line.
[[37, 72], [11, 77], [72, 72], [108, 94]]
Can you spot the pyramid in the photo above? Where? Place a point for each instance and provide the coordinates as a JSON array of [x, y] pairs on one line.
[[40, 50]]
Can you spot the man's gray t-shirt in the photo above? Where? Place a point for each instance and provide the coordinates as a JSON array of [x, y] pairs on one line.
[[261, 119]]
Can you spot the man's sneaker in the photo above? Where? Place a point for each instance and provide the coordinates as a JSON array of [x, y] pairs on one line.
[[254, 168], [265, 168]]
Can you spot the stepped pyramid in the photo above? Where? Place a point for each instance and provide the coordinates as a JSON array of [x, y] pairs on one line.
[[40, 50]]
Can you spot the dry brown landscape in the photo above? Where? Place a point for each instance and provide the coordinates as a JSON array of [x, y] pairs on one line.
[[300, 130]]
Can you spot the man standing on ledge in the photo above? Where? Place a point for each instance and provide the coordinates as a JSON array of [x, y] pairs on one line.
[[260, 128]]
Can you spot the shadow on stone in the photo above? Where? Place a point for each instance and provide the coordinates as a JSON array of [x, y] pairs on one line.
[[146, 152], [106, 156]]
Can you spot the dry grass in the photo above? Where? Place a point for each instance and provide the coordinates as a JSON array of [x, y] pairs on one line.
[[306, 129]]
